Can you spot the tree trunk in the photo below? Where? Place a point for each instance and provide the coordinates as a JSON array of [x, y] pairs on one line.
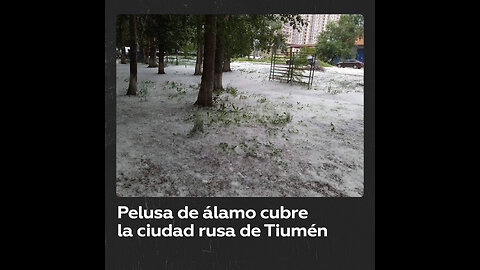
[[141, 55], [132, 86], [161, 62], [145, 55], [206, 87], [152, 61], [217, 85], [123, 55], [198, 63], [226, 61], [123, 60]]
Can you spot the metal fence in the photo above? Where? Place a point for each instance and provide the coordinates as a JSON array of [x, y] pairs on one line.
[[180, 59], [292, 67]]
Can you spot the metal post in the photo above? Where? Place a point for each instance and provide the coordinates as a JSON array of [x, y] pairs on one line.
[[271, 66], [311, 67], [290, 68], [314, 64]]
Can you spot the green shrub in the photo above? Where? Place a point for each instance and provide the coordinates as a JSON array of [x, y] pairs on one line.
[[197, 126], [231, 90], [282, 118]]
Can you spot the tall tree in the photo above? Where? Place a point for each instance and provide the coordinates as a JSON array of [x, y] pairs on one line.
[[206, 87], [217, 85], [150, 34], [237, 39], [122, 36], [141, 38], [230, 24], [247, 33], [227, 60], [152, 56], [132, 86], [171, 32], [199, 42]]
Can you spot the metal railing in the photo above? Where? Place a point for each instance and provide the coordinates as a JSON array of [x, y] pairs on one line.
[[292, 67]]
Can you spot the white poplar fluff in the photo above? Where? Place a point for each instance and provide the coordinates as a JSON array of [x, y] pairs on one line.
[[263, 138]]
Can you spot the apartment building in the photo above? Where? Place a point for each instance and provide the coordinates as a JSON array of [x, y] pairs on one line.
[[308, 34]]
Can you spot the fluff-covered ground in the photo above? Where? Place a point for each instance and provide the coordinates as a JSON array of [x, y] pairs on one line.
[[262, 138]]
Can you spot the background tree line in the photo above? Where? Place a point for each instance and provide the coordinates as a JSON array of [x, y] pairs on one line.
[[338, 40], [216, 39]]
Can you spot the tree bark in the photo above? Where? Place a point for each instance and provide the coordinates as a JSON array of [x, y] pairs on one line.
[[206, 87], [152, 61], [145, 55], [141, 39], [226, 61], [161, 62], [217, 85], [132, 86], [123, 56], [198, 63], [123, 60]]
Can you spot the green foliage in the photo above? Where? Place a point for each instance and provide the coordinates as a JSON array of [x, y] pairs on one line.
[[262, 100], [259, 60], [231, 90], [188, 49], [307, 50], [242, 33], [172, 32], [259, 150], [250, 147], [281, 119], [142, 90], [179, 90], [223, 145], [197, 126], [338, 40], [324, 64], [300, 61], [121, 31]]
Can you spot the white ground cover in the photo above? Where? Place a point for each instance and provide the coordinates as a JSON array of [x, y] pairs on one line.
[[262, 138]]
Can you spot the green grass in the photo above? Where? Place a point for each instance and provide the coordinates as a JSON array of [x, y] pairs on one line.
[[179, 90], [245, 59], [324, 64]]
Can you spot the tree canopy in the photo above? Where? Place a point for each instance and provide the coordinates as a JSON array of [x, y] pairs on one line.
[[338, 40], [262, 32], [172, 32]]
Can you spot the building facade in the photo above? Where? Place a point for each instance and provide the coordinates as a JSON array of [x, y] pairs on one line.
[[308, 34]]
